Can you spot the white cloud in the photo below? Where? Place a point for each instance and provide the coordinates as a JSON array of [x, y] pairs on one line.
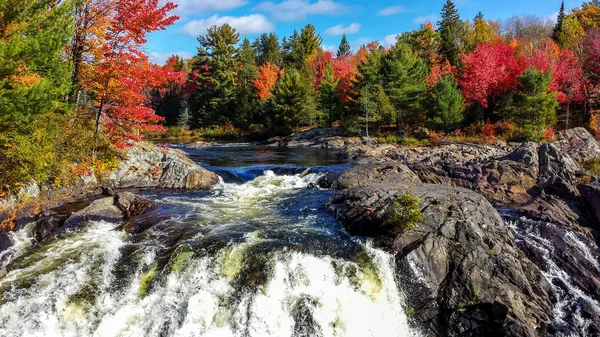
[[341, 30], [298, 10], [423, 19], [161, 58], [390, 40], [189, 7], [250, 24], [391, 10], [554, 17]]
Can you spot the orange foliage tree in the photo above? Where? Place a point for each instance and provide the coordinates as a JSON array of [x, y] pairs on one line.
[[267, 78], [112, 67]]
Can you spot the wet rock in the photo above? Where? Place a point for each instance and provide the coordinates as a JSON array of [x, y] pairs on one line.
[[99, 210], [590, 194], [47, 226], [150, 166], [329, 181], [553, 209], [460, 266], [5, 242], [111, 209], [571, 261], [132, 205]]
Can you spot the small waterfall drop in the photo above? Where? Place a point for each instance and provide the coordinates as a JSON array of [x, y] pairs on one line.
[[262, 258]]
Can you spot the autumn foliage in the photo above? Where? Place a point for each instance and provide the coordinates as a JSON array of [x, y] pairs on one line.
[[267, 78], [115, 70], [489, 71]]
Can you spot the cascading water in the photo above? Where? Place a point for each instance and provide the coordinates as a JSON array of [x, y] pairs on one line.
[[565, 258], [262, 258]]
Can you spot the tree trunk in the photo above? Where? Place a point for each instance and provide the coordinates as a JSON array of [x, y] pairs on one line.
[[97, 128]]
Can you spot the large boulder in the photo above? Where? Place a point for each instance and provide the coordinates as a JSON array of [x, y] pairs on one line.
[[462, 272], [386, 174], [122, 206], [579, 144], [146, 165]]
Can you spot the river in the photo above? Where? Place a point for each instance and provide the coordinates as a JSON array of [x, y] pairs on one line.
[[259, 255]]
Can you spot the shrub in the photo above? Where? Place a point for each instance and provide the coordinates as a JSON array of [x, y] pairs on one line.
[[389, 139], [406, 213], [413, 142], [488, 131], [435, 138], [592, 166]]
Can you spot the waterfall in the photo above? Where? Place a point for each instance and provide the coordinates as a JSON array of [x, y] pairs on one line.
[[568, 311], [261, 258]]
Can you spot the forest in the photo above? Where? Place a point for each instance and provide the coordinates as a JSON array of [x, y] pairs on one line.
[[76, 86]]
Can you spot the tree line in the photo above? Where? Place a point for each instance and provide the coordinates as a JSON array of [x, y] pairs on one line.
[[526, 74], [76, 85]]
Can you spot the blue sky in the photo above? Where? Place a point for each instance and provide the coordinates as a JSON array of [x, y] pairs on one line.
[[362, 20]]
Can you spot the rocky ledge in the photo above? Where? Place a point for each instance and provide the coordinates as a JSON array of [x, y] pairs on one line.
[[467, 269], [143, 166]]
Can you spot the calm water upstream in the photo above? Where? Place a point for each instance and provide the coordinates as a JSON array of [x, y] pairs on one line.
[[258, 255]]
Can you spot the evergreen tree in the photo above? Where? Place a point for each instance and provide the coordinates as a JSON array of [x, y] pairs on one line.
[[34, 77], [375, 108], [268, 49], [479, 16], [304, 45], [449, 28], [328, 99], [215, 67], [344, 50], [245, 99], [559, 23], [33, 72], [534, 106], [404, 77], [294, 102], [448, 105]]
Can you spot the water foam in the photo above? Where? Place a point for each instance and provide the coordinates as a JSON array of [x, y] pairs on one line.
[[67, 287]]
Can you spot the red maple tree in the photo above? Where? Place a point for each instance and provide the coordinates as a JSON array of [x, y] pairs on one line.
[[119, 74], [489, 70]]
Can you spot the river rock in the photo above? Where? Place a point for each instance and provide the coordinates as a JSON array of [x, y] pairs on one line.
[[146, 165], [461, 269], [111, 209]]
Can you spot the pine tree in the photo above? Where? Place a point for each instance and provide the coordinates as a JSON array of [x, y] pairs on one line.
[[214, 72], [294, 101], [479, 16], [448, 105], [245, 99], [268, 49], [328, 99], [534, 105], [344, 50], [404, 77], [449, 28], [559, 23], [304, 45]]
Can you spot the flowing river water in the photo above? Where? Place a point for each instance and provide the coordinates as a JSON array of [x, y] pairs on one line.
[[258, 255]]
